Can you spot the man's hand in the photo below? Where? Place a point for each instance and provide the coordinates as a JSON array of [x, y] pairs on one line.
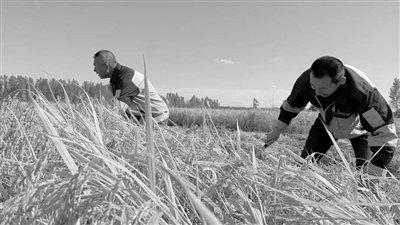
[[272, 136]]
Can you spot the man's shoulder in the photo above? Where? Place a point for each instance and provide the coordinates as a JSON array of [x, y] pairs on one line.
[[306, 75], [303, 81], [122, 74], [125, 71], [358, 81], [362, 90]]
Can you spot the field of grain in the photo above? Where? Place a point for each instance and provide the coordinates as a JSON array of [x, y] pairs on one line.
[[86, 164], [250, 120]]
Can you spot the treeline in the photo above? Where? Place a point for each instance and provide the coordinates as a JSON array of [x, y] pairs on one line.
[[18, 86], [394, 96], [173, 99]]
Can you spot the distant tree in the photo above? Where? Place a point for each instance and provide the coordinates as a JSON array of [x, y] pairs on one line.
[[256, 103], [174, 100], [394, 94], [12, 86], [3, 80]]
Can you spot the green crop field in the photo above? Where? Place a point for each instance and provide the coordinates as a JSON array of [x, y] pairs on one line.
[[87, 164]]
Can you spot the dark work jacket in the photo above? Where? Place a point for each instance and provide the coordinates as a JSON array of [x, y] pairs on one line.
[[354, 109]]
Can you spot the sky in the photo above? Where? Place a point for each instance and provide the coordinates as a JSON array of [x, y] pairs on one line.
[[232, 51]]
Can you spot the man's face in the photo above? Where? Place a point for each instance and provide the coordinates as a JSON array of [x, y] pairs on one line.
[[101, 68], [324, 86]]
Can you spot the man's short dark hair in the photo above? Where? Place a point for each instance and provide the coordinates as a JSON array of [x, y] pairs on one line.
[[108, 57], [328, 66]]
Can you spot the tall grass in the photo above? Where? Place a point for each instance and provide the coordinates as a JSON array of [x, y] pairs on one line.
[[203, 175]]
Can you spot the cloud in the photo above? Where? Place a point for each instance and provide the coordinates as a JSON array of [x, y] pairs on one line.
[[224, 61]]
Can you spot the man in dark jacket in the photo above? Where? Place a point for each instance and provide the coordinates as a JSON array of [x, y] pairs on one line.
[[349, 107], [128, 87]]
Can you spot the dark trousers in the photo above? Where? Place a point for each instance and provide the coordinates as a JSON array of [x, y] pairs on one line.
[[318, 142]]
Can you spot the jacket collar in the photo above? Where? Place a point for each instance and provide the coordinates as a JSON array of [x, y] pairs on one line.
[[341, 96], [116, 73]]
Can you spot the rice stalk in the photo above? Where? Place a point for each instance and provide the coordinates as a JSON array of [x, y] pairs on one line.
[[99, 149], [19, 164], [156, 219], [337, 148], [275, 185], [215, 130], [202, 209], [69, 162], [149, 133], [55, 100], [166, 148], [253, 159], [24, 134], [237, 136], [170, 192], [67, 101]]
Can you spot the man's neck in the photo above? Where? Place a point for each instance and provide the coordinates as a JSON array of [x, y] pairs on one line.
[[112, 69]]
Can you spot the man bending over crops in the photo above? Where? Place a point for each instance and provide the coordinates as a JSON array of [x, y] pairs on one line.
[[349, 107], [128, 87]]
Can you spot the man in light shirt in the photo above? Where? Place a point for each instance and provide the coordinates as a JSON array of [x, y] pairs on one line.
[[128, 87]]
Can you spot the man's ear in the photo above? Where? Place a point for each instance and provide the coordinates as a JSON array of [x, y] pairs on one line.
[[342, 80]]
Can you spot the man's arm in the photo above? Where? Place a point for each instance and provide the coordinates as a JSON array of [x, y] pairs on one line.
[[291, 107], [126, 89], [376, 117], [297, 100]]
